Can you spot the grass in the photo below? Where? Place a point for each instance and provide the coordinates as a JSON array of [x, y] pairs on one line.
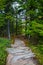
[[4, 43], [38, 50]]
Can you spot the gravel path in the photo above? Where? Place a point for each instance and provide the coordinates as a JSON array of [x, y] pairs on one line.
[[19, 54]]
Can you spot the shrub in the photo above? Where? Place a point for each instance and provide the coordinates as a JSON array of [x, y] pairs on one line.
[[4, 43]]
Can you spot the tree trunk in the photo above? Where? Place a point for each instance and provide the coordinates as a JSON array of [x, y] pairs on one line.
[[16, 24], [26, 26], [8, 30]]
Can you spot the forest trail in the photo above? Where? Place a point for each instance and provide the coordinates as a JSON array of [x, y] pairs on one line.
[[19, 54]]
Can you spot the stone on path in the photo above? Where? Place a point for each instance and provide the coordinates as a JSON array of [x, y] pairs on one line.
[[19, 54]]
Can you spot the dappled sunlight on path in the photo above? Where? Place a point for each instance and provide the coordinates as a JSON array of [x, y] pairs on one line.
[[19, 54]]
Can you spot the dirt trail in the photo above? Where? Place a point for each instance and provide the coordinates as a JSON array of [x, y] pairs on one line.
[[19, 54]]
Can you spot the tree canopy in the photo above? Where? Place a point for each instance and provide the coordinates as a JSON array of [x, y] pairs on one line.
[[32, 20]]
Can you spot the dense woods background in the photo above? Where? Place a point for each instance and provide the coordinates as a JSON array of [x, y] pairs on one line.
[[25, 19]]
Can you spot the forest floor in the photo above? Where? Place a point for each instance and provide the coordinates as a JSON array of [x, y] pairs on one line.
[[19, 54]]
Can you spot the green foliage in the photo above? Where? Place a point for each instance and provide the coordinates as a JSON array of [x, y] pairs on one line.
[[38, 50], [2, 19], [4, 3], [36, 27], [33, 25], [33, 9], [4, 43]]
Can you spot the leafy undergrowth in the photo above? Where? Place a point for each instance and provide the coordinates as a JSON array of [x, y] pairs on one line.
[[4, 43], [38, 50]]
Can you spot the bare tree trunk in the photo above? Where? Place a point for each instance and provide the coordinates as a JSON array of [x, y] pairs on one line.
[[8, 30], [16, 24], [26, 26]]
